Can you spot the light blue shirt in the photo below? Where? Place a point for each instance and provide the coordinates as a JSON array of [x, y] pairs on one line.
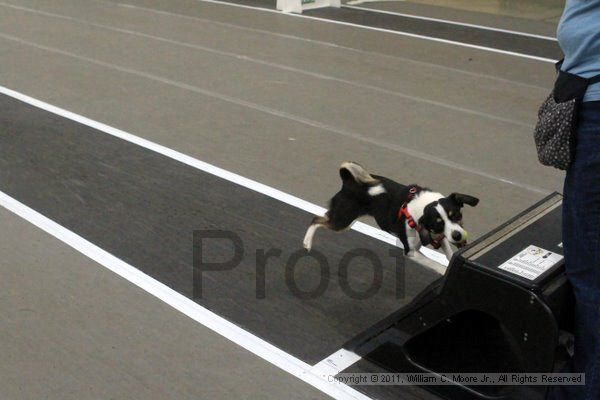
[[579, 38]]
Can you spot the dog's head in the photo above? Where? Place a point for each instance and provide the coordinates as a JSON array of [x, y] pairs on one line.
[[444, 218]]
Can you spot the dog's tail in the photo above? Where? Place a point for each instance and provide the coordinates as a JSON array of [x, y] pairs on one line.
[[352, 173]]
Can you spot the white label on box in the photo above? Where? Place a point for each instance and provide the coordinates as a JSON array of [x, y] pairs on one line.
[[531, 262]]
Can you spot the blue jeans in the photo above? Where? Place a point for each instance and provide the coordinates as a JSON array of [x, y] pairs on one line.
[[581, 241]]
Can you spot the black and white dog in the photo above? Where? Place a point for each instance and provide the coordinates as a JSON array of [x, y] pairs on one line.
[[416, 215]]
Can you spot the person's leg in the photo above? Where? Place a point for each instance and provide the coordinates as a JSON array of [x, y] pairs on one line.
[[581, 241]]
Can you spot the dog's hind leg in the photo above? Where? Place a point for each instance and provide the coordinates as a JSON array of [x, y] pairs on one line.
[[335, 224], [343, 210], [316, 223]]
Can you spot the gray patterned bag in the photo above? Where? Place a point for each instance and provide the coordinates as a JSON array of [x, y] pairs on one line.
[[556, 129]]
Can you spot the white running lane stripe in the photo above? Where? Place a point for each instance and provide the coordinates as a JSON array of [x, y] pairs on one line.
[[316, 376], [184, 305], [326, 44], [400, 33], [432, 39], [449, 22], [214, 170], [286, 115], [244, 58], [335, 363], [312, 375]]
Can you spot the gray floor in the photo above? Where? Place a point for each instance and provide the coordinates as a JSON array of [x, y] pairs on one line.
[[93, 183], [73, 330], [278, 99], [394, 126]]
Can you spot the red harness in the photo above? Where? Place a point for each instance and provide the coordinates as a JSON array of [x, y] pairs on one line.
[[403, 212]]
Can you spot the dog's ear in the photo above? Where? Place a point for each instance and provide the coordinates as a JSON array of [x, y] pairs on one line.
[[462, 199]]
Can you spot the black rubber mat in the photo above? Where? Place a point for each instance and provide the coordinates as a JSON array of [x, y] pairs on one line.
[[471, 35], [464, 34], [144, 208]]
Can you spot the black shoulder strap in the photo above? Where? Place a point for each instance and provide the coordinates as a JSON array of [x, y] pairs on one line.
[[594, 79], [591, 81]]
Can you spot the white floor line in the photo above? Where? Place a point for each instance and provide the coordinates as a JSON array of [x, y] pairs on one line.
[[449, 22], [244, 58], [184, 305], [326, 44], [335, 363], [400, 33], [318, 375], [429, 38], [283, 114], [214, 170]]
